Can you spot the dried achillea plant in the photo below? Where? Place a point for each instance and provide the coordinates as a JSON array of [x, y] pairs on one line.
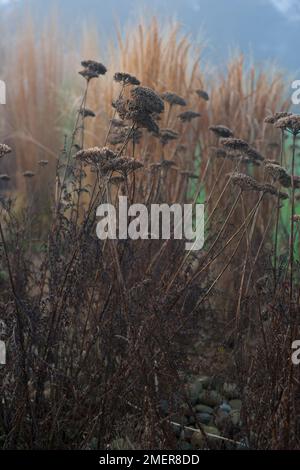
[[203, 95], [231, 143], [221, 131], [245, 182], [188, 116], [126, 79], [167, 135], [290, 123], [173, 99], [142, 109], [278, 173], [273, 118]]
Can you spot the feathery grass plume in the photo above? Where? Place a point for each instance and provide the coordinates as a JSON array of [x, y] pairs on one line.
[[43, 162], [167, 135], [4, 177], [28, 174], [221, 131], [86, 112], [245, 182], [273, 118], [4, 150], [126, 79], [270, 189], [188, 116], [290, 123], [203, 94], [234, 144], [253, 154], [94, 66], [173, 99]]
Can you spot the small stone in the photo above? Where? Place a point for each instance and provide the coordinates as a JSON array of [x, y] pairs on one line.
[[211, 430], [204, 418], [197, 440], [222, 418], [225, 407], [236, 404], [235, 417], [230, 391], [210, 398], [185, 409], [204, 409], [205, 381]]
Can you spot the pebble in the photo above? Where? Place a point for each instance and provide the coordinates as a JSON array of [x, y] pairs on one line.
[[235, 417], [204, 409], [197, 440], [204, 418], [211, 430], [222, 419], [210, 398], [236, 404], [225, 407]]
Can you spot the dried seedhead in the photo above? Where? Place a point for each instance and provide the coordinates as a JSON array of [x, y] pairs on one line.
[[173, 99], [221, 131], [188, 116], [126, 79]]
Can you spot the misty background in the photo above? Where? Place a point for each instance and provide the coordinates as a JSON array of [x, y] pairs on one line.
[[266, 30]]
